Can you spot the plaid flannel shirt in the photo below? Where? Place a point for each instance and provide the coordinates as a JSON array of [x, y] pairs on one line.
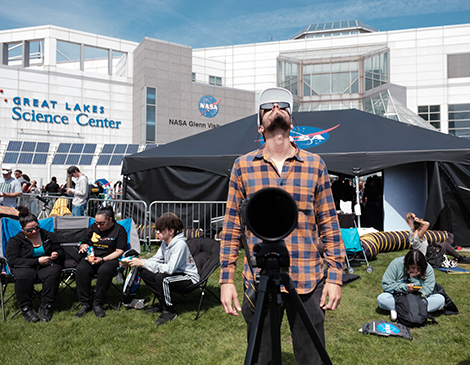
[[305, 177]]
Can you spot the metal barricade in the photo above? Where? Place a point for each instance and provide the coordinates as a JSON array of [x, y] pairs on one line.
[[123, 209], [200, 218], [43, 205]]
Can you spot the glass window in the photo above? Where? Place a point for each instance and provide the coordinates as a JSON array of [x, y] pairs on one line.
[[376, 71], [431, 113], [458, 65], [215, 80], [151, 95], [459, 120]]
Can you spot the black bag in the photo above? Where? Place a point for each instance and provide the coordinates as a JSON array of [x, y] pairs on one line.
[[412, 309], [435, 255]]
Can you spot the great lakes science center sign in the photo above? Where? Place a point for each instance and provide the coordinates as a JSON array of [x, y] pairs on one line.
[[86, 115]]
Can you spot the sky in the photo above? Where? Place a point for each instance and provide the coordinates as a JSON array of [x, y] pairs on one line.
[[212, 23]]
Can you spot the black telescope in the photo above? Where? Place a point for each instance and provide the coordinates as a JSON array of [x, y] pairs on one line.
[[271, 214]]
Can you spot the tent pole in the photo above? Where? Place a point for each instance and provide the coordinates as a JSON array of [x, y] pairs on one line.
[[358, 203]]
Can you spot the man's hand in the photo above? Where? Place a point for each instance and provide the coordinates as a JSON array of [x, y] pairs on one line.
[[333, 292], [228, 294], [83, 247]]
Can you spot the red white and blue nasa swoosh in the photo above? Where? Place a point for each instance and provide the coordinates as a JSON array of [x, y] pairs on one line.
[[209, 106], [307, 137]]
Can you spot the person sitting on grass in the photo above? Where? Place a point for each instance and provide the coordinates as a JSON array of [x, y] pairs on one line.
[[171, 269], [33, 255], [418, 228], [409, 273]]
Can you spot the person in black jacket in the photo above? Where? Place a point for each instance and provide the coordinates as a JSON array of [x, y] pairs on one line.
[[33, 255]]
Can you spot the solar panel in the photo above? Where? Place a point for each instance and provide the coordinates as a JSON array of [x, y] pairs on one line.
[[14, 146], [72, 159], [108, 148], [26, 158], [132, 148], [10, 157], [40, 159], [120, 148], [59, 159], [103, 160], [77, 148], [28, 146], [42, 147], [63, 148], [148, 146], [89, 148], [116, 160], [86, 160]]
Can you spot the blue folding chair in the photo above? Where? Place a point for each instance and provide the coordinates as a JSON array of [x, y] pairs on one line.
[[355, 254]]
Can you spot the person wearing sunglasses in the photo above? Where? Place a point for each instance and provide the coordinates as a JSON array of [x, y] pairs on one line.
[[281, 164], [109, 241], [34, 255]]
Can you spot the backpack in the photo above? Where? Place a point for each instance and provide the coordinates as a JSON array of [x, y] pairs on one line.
[[412, 309], [435, 255]]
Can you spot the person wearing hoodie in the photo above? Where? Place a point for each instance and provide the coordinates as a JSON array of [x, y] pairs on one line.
[[171, 269]]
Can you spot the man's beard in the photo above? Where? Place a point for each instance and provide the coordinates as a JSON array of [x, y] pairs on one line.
[[278, 123]]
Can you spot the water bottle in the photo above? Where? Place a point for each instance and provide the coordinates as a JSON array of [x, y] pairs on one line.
[[90, 253]]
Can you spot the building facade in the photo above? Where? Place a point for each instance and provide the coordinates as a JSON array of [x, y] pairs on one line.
[[71, 97]]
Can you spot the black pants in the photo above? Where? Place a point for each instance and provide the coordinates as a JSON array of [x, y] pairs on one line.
[[86, 272], [304, 349], [163, 284], [25, 278]]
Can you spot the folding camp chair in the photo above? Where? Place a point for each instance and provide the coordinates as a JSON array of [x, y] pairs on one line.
[[9, 228], [205, 252], [355, 254]]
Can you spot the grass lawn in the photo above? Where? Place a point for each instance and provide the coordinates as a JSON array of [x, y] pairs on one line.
[[130, 336]]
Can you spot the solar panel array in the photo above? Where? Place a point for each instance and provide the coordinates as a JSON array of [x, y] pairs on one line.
[[35, 153]]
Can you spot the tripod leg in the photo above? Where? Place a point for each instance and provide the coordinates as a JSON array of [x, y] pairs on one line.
[[256, 331], [294, 296]]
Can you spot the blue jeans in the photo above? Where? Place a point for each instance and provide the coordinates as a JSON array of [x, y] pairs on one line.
[[78, 211], [387, 301]]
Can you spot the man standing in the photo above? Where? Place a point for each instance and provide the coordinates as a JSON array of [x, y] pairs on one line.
[[10, 188], [281, 164], [80, 193], [53, 187]]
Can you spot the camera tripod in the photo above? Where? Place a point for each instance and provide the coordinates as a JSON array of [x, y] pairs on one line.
[[272, 257], [45, 208]]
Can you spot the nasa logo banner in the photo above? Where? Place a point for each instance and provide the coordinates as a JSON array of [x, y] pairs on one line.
[[209, 106], [306, 137]]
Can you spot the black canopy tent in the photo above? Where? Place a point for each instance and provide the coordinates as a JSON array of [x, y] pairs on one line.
[[197, 168]]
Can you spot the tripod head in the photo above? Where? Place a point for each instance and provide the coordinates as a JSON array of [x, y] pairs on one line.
[[271, 215]]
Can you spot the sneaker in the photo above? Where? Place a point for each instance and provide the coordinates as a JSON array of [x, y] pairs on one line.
[[463, 259], [45, 313], [98, 310], [393, 315], [157, 308], [83, 310], [166, 316], [29, 314]]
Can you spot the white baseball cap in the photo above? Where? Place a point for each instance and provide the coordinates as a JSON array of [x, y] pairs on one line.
[[275, 95], [6, 169]]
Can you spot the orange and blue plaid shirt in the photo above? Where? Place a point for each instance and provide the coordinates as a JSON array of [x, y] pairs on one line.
[[305, 177]]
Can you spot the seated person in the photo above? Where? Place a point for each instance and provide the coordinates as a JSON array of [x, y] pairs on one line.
[[171, 269], [109, 241], [418, 227], [402, 274], [33, 255]]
